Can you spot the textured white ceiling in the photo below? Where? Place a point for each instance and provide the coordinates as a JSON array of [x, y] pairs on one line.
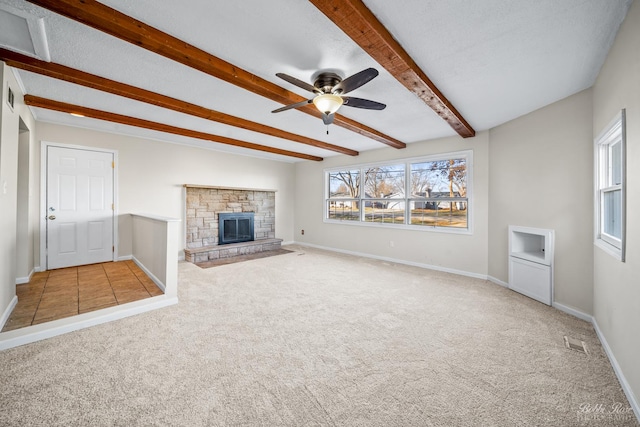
[[495, 60]]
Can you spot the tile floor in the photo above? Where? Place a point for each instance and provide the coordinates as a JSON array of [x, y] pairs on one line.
[[55, 294]]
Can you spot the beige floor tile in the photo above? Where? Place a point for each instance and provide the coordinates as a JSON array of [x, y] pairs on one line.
[[40, 275], [100, 307], [59, 292], [131, 278], [63, 272], [127, 284], [29, 295], [94, 292], [54, 313], [150, 286], [115, 266], [26, 308], [154, 292], [35, 282], [38, 284], [90, 267], [92, 273], [17, 322], [97, 302], [91, 281], [53, 283], [56, 294], [129, 296], [58, 301], [135, 269]]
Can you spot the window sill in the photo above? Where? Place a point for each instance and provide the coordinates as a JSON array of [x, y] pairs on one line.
[[451, 230], [609, 249]]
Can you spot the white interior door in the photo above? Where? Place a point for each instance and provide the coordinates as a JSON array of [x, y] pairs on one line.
[[80, 210]]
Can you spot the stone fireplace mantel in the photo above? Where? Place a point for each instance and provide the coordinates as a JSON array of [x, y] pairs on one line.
[[215, 187]]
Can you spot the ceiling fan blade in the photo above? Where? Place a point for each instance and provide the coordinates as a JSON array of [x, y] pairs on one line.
[[296, 105], [367, 104], [355, 81], [327, 119], [297, 82]]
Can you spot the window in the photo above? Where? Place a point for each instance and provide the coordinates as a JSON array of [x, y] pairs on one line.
[[420, 193], [610, 188], [439, 193], [383, 197]]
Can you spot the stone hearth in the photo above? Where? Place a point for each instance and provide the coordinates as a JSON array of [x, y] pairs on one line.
[[210, 253]]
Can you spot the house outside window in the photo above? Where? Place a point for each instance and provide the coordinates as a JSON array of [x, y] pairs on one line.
[[610, 159], [426, 193]]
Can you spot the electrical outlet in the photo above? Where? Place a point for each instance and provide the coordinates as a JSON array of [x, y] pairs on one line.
[[391, 244], [302, 232]]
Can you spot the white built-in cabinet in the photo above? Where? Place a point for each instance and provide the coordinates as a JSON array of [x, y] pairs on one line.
[[531, 262]]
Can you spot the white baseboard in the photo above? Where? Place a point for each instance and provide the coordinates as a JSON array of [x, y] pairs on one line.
[[23, 280], [125, 258], [7, 312], [572, 311], [398, 261], [633, 401], [157, 281], [54, 328], [497, 281]]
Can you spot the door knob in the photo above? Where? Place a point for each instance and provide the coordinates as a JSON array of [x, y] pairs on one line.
[[52, 217]]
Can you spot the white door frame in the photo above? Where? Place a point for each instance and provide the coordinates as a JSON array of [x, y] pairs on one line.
[[43, 196]]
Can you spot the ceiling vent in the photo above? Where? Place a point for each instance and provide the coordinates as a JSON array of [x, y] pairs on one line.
[[23, 32], [575, 345]]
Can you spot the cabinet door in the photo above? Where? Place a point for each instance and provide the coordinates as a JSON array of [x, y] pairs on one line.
[[530, 279]]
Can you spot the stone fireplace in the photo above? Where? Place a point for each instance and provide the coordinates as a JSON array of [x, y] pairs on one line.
[[204, 207]]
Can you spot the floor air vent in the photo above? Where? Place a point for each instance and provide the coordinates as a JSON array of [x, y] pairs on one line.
[[575, 345]]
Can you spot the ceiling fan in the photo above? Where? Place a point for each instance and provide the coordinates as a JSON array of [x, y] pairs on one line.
[[330, 89]]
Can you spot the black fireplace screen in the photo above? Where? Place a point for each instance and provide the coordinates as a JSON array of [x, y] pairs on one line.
[[235, 227]]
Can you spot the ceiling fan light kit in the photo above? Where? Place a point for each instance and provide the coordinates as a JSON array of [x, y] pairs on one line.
[[329, 88], [328, 103]]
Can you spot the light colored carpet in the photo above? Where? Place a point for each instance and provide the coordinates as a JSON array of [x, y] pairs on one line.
[[314, 338]]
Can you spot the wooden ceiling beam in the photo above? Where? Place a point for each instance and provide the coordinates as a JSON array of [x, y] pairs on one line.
[[35, 101], [127, 28], [61, 72], [359, 23]]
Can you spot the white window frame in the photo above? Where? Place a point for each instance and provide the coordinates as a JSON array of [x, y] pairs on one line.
[[614, 133], [466, 154]]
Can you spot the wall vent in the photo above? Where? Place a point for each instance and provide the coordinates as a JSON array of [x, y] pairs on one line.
[[10, 97], [575, 345]]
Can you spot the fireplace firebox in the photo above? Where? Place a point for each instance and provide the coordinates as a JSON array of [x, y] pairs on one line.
[[235, 227]]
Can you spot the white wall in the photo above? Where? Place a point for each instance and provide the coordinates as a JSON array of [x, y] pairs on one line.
[[617, 284], [8, 182], [541, 175], [464, 253], [26, 201], [155, 247], [151, 175], [9, 148]]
